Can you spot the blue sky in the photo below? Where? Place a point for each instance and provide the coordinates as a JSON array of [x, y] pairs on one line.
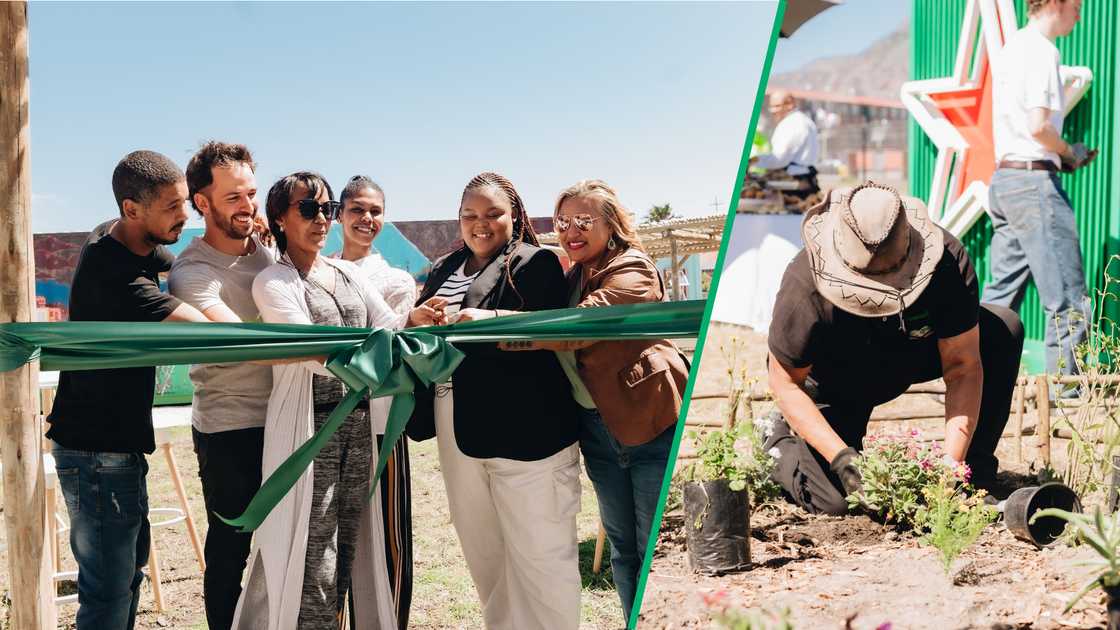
[[653, 98], [841, 30]]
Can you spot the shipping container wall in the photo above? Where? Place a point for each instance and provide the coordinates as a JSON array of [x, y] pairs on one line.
[[1093, 191]]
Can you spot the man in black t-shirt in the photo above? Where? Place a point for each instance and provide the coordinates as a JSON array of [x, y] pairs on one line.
[[879, 299], [101, 422]]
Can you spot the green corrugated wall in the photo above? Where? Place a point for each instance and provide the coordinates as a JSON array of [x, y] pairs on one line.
[[1094, 191]]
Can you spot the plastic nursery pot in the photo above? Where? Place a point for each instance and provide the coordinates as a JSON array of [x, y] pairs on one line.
[[1024, 502], [717, 527], [1113, 595]]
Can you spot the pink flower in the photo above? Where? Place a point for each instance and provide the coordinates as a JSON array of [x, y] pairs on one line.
[[715, 599], [886, 625], [914, 433]]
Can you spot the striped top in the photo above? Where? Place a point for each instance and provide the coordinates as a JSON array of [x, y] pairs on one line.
[[454, 289]]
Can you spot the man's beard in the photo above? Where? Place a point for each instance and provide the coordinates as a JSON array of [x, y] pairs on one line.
[[225, 224], [156, 239]]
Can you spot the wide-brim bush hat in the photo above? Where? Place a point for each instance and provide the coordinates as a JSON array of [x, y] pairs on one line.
[[871, 251]]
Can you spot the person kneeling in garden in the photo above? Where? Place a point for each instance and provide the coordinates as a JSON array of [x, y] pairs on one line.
[[881, 298]]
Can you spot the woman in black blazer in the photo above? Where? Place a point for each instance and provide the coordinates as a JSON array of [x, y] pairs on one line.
[[506, 422]]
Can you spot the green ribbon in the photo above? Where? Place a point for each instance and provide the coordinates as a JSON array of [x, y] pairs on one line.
[[381, 362]]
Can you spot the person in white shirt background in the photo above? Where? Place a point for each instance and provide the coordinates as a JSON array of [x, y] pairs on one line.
[[1034, 229], [794, 146], [362, 218]]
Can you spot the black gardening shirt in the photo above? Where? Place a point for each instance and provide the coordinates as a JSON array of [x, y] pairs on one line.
[[871, 360], [111, 410]]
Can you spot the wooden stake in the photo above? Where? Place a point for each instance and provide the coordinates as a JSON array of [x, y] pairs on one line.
[[29, 572], [600, 540], [1020, 403], [1042, 399], [676, 267]]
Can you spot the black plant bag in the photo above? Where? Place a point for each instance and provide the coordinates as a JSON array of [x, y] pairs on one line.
[[717, 525]]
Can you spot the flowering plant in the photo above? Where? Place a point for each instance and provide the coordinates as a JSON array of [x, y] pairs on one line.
[[953, 519], [732, 618], [896, 470], [919, 487], [734, 454]]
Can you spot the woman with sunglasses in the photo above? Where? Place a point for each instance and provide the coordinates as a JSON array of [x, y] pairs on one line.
[[362, 217], [315, 545], [505, 422], [629, 392]]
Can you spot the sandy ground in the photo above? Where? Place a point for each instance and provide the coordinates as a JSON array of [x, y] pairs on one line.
[[829, 570], [443, 594]]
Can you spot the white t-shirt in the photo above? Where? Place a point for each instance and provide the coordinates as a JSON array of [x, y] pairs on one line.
[[793, 145], [397, 286], [1025, 76], [227, 396]]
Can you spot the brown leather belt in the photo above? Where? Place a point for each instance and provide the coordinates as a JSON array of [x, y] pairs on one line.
[[1033, 165]]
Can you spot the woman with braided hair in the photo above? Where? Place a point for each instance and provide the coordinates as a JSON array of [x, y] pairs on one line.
[[506, 422]]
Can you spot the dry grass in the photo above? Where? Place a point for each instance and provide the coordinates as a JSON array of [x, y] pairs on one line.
[[443, 594]]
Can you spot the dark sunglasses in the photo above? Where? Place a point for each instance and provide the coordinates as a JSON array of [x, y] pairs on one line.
[[309, 209]]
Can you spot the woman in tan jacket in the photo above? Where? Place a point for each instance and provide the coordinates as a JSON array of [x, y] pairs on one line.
[[629, 392]]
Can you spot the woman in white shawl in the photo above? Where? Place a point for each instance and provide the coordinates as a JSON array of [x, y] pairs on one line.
[[319, 541], [362, 218]]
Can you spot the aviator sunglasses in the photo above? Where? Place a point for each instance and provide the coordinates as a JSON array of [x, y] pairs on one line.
[[582, 221], [309, 209]]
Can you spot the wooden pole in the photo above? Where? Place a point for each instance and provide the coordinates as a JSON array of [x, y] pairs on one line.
[[29, 571], [676, 267], [1020, 403], [1042, 397]]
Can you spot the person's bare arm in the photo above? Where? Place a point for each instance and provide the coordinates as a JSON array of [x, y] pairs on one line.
[[800, 410], [185, 313], [221, 313], [964, 381], [1038, 120]]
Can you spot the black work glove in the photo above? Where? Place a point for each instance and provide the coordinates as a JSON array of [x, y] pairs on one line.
[[843, 466], [1081, 157]]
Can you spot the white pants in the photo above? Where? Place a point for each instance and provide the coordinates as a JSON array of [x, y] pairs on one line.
[[516, 522]]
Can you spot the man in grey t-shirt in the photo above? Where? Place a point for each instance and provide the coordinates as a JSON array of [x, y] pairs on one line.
[[215, 275]]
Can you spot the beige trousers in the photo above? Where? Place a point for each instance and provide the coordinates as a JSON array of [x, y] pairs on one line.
[[516, 522]]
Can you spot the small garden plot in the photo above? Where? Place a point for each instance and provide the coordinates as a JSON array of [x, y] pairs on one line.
[[924, 553]]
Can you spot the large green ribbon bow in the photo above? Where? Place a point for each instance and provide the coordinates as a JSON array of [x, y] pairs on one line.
[[380, 362]]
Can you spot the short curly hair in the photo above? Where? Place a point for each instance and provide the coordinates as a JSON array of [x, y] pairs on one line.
[[210, 155], [140, 174]]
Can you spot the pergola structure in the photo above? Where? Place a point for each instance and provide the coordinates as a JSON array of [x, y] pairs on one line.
[[675, 239]]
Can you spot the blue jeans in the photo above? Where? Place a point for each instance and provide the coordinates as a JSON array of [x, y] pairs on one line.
[[627, 482], [1035, 235], [107, 500]]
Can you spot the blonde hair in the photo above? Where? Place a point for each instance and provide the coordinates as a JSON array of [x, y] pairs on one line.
[[617, 216]]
